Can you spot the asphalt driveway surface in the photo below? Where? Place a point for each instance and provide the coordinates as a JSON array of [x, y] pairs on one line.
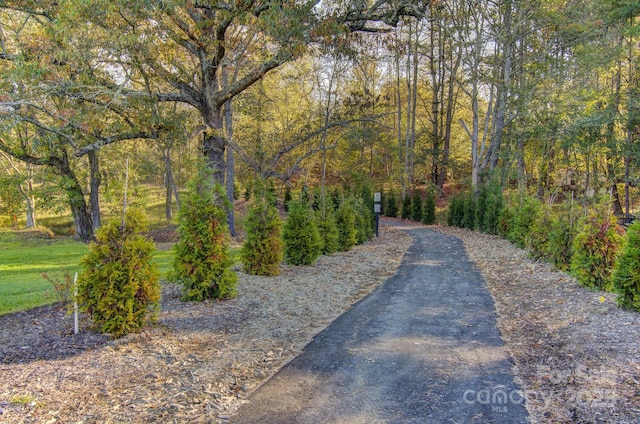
[[422, 348]]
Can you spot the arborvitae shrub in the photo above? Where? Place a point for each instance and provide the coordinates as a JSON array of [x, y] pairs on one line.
[[561, 234], [481, 206], [391, 205], [494, 202], [455, 211], [505, 220], [302, 242], [336, 198], [119, 285], [469, 211], [317, 199], [328, 231], [626, 275], [416, 206], [523, 219], [406, 207], [595, 248], [287, 198], [364, 221], [346, 223], [262, 251], [537, 240], [429, 208], [202, 263]]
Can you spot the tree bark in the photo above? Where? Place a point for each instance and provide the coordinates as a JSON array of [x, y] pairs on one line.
[[81, 216], [30, 200], [94, 196]]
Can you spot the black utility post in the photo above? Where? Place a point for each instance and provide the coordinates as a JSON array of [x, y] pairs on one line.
[[376, 210]]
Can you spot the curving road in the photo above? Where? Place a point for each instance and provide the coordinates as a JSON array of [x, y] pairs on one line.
[[422, 348]]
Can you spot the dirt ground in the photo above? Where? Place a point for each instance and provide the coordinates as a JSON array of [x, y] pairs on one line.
[[576, 354]]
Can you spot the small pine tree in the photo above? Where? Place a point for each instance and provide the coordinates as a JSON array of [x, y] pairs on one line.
[[416, 206], [626, 275], [346, 223], [429, 208], [302, 242], [391, 205], [328, 231], [595, 248], [119, 285], [262, 251], [406, 207], [202, 262]]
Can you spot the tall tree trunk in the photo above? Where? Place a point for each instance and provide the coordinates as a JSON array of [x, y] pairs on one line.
[[169, 184], [503, 87], [399, 112], [30, 199], [94, 196], [228, 119], [79, 209], [214, 145]]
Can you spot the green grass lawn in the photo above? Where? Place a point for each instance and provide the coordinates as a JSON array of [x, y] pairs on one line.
[[24, 256]]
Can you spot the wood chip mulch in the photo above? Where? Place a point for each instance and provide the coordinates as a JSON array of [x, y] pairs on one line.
[[576, 354]]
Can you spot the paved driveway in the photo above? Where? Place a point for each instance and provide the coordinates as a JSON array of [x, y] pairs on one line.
[[423, 348]]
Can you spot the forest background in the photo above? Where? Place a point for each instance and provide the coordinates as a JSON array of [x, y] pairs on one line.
[[545, 95]]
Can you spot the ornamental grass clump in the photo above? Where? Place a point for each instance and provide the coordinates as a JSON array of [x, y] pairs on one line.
[[203, 261], [119, 285], [626, 275]]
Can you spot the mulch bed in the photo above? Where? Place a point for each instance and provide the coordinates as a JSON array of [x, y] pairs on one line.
[[576, 354]]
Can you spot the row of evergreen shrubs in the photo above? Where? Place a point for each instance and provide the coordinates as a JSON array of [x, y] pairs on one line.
[[305, 235], [592, 247], [413, 207]]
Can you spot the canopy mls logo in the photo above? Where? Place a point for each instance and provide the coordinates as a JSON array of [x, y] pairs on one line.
[[499, 397]]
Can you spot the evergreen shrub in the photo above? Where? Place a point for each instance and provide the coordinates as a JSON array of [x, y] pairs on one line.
[[626, 275], [523, 219], [493, 205], [302, 242], [429, 208], [364, 220], [119, 285], [416, 206], [537, 239], [263, 250], [595, 248], [560, 237], [328, 231], [391, 205], [346, 223], [202, 263], [406, 207]]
